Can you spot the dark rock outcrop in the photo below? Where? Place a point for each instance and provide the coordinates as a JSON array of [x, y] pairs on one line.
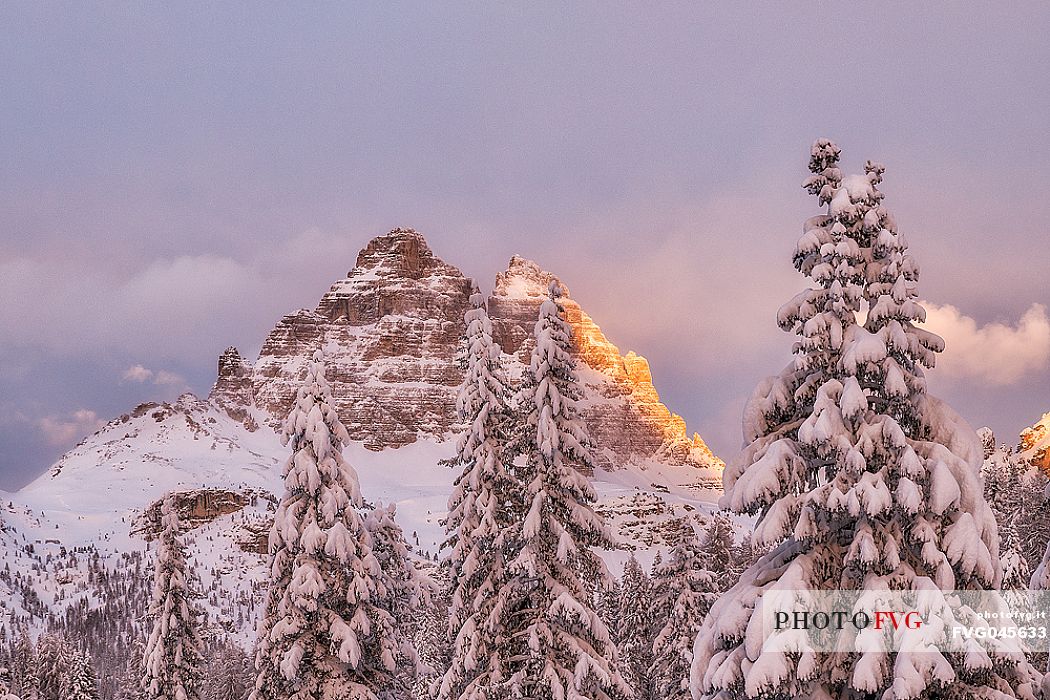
[[233, 391], [196, 508]]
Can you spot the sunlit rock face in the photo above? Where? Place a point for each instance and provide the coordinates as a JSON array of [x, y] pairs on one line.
[[622, 408], [1035, 444], [391, 332]]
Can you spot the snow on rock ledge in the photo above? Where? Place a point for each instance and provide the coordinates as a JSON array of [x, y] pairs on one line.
[[197, 507]]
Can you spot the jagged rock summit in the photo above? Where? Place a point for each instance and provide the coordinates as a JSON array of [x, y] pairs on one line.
[[391, 332], [233, 390]]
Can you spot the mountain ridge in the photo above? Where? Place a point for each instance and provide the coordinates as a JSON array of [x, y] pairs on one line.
[[391, 330]]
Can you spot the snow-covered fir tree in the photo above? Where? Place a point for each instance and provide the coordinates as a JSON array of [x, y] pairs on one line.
[[432, 635], [486, 504], [49, 677], [323, 633], [1002, 476], [20, 664], [83, 684], [859, 478], [607, 604], [398, 592], [722, 557], [172, 662], [684, 588], [637, 629], [229, 674], [559, 645], [1016, 572], [59, 671], [129, 685], [5, 687], [1016, 492]]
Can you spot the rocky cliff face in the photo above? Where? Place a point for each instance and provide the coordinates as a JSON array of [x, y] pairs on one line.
[[233, 391], [1035, 444], [391, 331], [623, 409], [197, 507]]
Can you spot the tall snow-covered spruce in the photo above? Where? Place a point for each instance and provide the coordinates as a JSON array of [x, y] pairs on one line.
[[684, 588], [560, 647], [83, 685], [399, 593], [637, 630], [860, 479], [172, 663], [487, 502], [324, 633]]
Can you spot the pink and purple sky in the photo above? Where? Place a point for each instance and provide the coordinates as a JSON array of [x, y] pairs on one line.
[[173, 178]]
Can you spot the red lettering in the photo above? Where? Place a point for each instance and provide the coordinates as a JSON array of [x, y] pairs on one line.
[[912, 620], [881, 615]]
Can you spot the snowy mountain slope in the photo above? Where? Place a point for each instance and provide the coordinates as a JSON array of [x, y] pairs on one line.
[[91, 503], [391, 331], [136, 458], [94, 497]]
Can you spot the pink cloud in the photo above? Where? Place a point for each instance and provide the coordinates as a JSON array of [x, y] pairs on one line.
[[64, 431], [994, 354]]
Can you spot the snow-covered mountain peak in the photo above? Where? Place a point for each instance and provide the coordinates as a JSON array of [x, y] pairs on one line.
[[402, 253], [155, 448], [524, 279], [623, 410], [391, 331]]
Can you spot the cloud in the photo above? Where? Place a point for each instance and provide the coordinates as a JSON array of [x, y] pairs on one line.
[[63, 431], [995, 354], [166, 378], [166, 309], [688, 281], [137, 374], [140, 375]]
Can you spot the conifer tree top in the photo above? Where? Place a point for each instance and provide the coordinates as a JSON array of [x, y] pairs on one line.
[[860, 479]]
